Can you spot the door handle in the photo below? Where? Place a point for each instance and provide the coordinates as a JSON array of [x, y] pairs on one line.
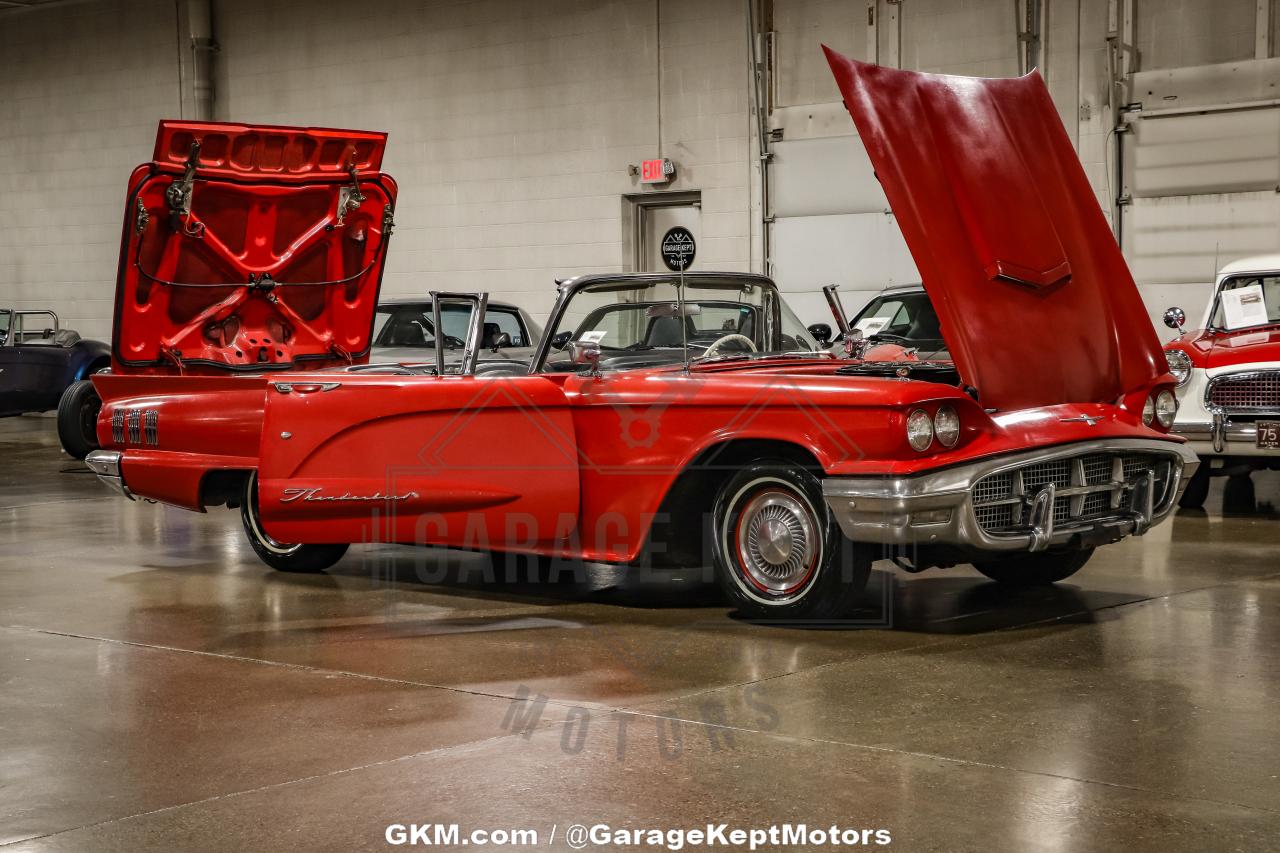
[[306, 387]]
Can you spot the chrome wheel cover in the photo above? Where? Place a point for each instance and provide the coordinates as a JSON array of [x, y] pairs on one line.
[[776, 541]]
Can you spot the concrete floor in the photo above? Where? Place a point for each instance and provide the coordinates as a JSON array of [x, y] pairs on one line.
[[162, 690]]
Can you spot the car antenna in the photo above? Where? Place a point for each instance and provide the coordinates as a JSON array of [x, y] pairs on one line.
[[684, 330]]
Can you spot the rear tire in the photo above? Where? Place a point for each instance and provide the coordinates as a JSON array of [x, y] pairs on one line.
[[779, 554], [278, 555], [78, 419], [1036, 569], [1197, 488]]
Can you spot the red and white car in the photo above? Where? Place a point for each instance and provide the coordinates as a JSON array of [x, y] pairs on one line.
[[688, 419], [1228, 372]]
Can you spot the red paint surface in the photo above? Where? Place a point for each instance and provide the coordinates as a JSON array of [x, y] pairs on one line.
[[576, 465], [1211, 349], [1036, 302], [264, 202]]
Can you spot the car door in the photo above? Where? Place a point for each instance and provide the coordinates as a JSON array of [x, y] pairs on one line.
[[466, 461], [42, 368], [32, 365]]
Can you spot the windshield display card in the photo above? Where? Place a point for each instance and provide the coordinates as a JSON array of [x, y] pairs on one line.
[[871, 325], [1244, 307]]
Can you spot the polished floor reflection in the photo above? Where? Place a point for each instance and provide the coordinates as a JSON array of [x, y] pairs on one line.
[[162, 690]]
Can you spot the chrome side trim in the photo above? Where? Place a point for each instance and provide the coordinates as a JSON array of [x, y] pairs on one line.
[[106, 464], [882, 509]]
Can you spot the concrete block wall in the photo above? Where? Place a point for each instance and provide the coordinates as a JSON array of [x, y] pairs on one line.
[[512, 124], [82, 86]]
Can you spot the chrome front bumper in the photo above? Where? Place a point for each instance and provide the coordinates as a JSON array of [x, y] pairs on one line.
[[1223, 436], [937, 508], [106, 464]]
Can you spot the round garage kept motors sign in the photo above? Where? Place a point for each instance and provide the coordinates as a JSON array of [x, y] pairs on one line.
[[678, 249]]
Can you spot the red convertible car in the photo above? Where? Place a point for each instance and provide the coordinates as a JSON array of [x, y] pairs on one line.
[[686, 419]]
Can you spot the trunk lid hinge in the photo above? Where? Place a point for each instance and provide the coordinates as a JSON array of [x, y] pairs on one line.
[[349, 198], [178, 196]]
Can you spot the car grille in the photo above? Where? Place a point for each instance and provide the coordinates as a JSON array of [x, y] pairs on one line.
[[1089, 487], [1246, 393]]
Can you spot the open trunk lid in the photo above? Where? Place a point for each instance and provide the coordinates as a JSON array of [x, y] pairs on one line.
[[249, 248], [1037, 304]]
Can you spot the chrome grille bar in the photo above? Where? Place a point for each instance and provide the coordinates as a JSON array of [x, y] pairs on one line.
[[1082, 488], [1246, 393]]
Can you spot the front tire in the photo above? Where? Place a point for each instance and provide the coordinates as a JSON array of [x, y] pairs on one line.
[[1197, 488], [779, 553], [280, 556], [78, 419], [1036, 569]]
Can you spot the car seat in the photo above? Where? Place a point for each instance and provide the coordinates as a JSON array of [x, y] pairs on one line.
[[408, 335], [665, 332], [490, 335]]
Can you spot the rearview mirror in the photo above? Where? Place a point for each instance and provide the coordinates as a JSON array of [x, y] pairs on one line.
[[1174, 318], [561, 340], [502, 340], [821, 333]]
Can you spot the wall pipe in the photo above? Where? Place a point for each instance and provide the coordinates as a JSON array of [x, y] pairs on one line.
[[762, 133]]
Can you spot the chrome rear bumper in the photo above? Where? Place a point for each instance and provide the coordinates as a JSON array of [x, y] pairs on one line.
[[937, 508], [106, 464]]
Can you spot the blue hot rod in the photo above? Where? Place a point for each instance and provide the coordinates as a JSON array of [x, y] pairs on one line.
[[44, 367]]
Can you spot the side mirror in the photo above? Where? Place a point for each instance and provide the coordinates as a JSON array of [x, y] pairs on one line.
[[502, 340], [821, 333], [1175, 318], [855, 344], [586, 352], [561, 340]]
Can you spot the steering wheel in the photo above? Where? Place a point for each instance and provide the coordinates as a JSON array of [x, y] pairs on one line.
[[714, 349]]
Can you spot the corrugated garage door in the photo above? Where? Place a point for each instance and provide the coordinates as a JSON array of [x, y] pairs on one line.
[[832, 225], [1203, 192]]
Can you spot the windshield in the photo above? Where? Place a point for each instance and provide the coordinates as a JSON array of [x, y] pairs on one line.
[[411, 325], [901, 317], [641, 323], [1248, 301]]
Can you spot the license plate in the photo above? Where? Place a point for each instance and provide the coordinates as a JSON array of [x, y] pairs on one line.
[[1269, 434]]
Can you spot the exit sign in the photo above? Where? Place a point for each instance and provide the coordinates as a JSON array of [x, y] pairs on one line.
[[657, 171]]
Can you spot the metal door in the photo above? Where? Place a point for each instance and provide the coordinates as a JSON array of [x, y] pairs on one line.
[[655, 220]]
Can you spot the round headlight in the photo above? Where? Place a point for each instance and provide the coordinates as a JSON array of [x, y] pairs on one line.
[[1179, 365], [1166, 408], [946, 426], [1149, 411], [919, 430]]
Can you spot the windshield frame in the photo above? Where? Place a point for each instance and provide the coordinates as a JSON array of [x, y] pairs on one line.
[[632, 281]]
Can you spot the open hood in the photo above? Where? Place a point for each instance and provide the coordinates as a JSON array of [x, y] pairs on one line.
[[252, 248], [1036, 302]]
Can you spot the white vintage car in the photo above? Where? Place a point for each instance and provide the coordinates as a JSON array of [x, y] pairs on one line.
[[1228, 371]]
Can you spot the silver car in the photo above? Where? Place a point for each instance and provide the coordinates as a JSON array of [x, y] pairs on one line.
[[404, 332]]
